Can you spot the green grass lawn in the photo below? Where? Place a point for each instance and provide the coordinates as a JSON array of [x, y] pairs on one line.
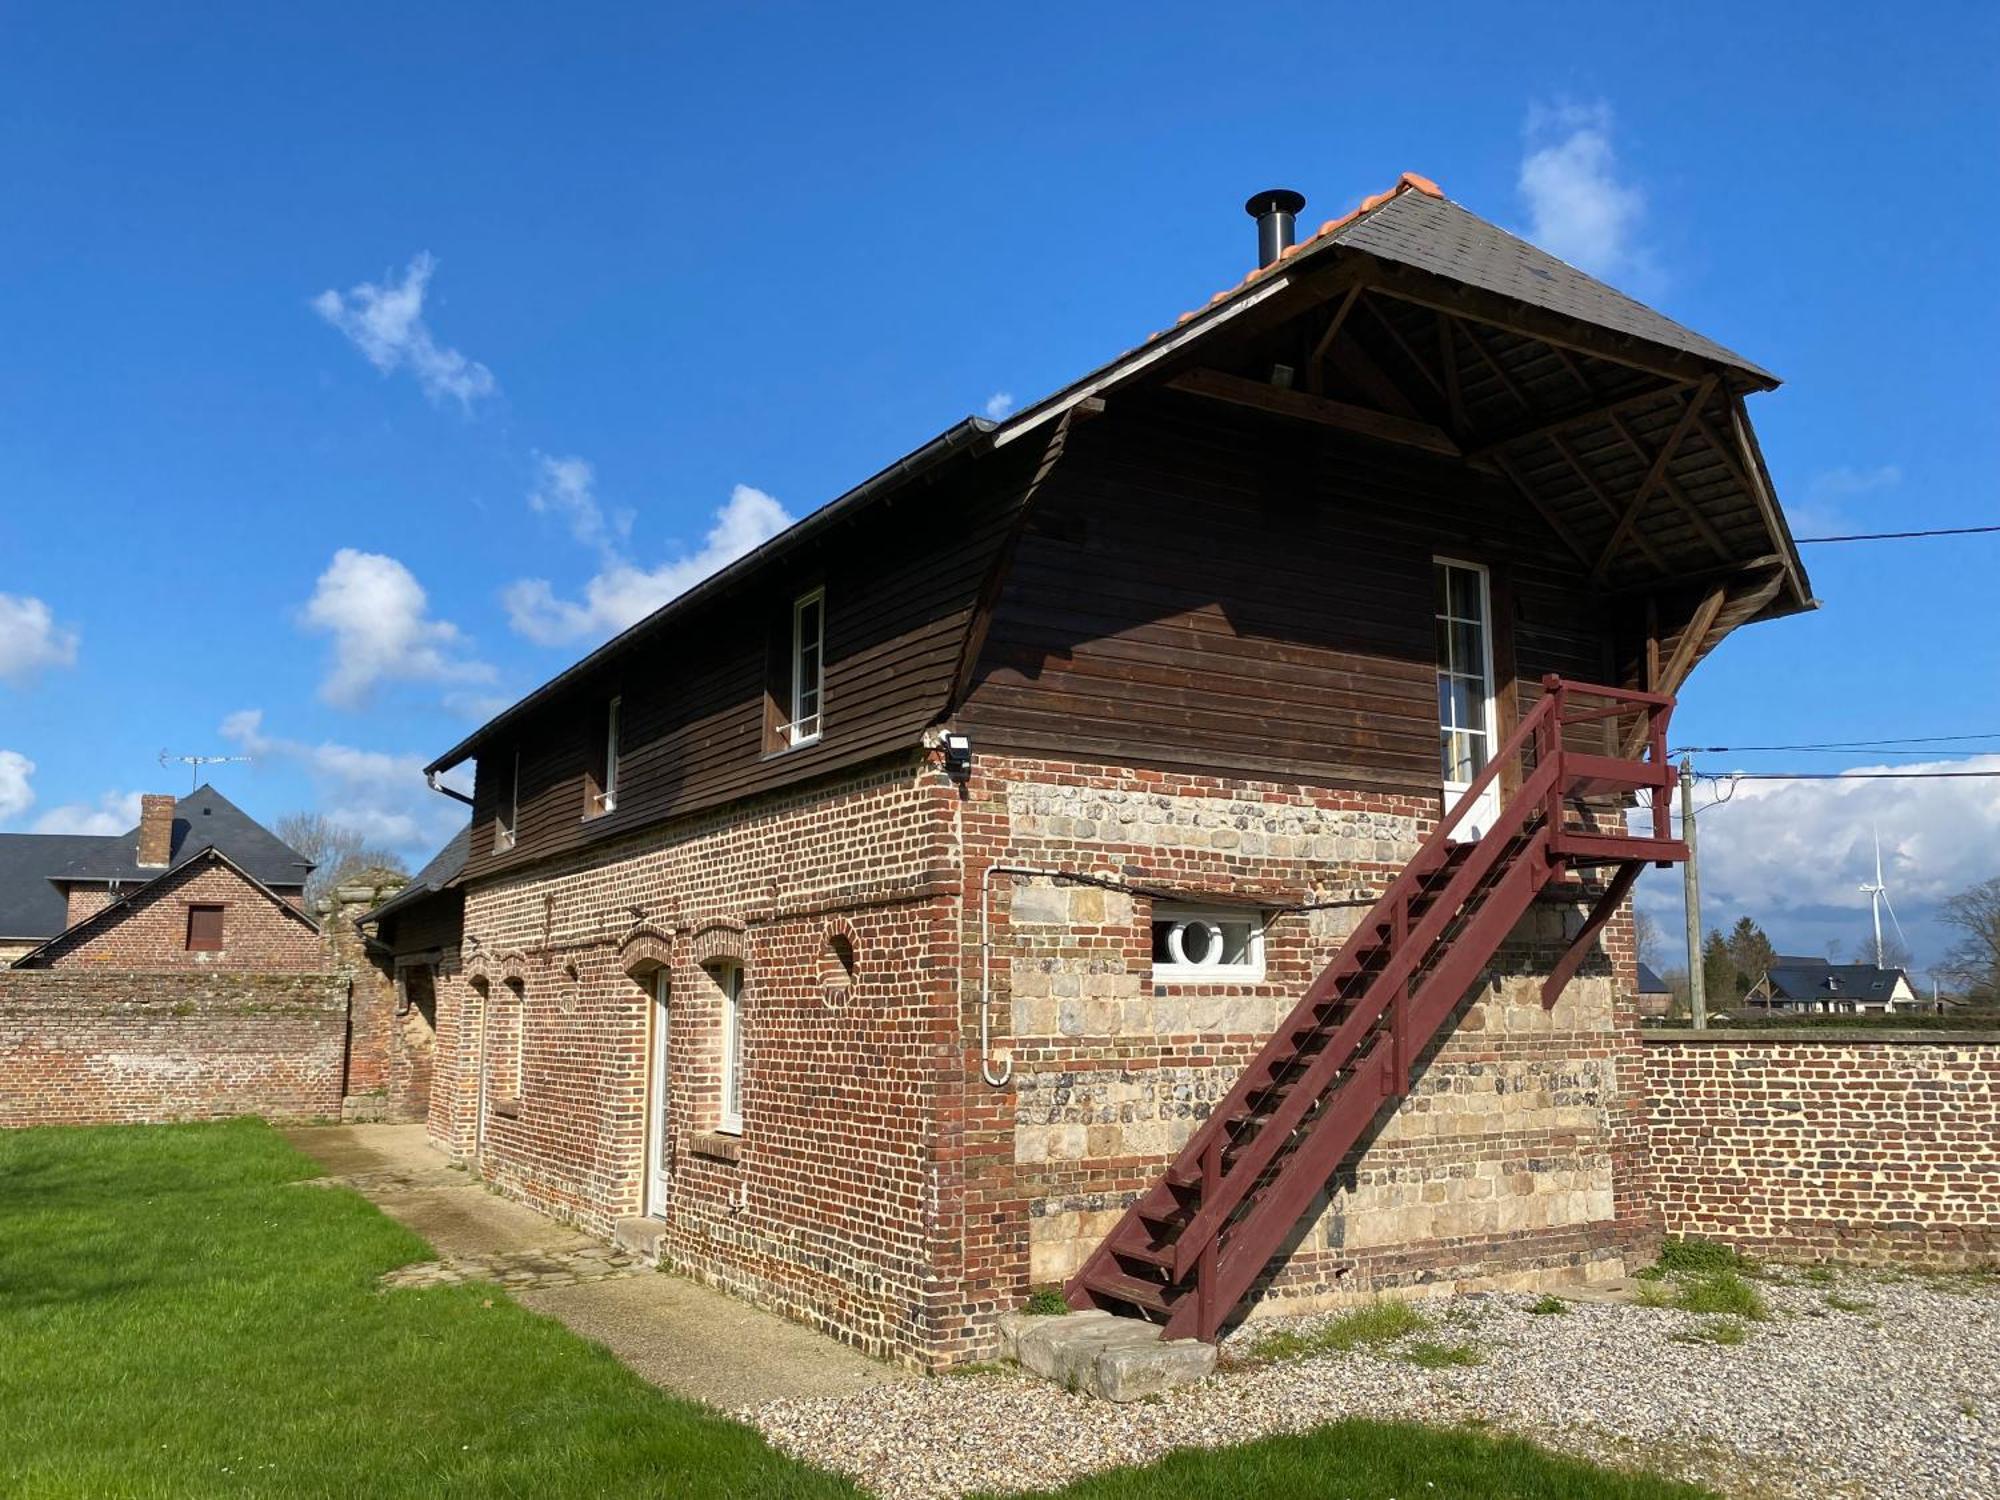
[[1360, 1460], [178, 1318]]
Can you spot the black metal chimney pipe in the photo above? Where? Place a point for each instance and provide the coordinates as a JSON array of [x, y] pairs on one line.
[[1275, 210]]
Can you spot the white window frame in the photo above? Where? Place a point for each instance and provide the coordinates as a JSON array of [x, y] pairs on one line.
[[504, 836], [803, 727], [729, 977], [606, 799], [1249, 972]]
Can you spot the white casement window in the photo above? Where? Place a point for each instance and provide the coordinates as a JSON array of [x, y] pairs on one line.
[[510, 810], [607, 799], [1464, 671], [729, 977], [1207, 943], [808, 668]]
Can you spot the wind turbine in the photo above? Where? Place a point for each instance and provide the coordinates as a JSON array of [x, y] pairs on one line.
[[1878, 897]]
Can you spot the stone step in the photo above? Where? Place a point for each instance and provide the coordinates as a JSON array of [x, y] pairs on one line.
[[640, 1237], [1118, 1359]]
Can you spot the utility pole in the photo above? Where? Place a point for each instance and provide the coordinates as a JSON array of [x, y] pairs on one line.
[[1691, 892]]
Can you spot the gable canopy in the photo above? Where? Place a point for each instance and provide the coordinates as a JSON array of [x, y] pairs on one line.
[[1411, 321]]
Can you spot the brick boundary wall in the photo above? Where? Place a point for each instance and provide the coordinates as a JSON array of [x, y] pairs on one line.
[[90, 1047], [1844, 1146]]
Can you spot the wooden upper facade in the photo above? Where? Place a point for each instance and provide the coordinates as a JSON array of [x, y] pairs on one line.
[[1218, 553]]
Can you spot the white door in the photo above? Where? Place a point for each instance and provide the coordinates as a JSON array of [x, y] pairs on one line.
[[1466, 739], [659, 1104]]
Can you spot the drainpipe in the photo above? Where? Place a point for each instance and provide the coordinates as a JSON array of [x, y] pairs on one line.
[[431, 781]]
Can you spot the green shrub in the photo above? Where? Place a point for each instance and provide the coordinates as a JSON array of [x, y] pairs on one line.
[[1722, 1292], [1546, 1306], [1435, 1356], [1377, 1323], [1715, 1331], [1696, 1256], [1045, 1302]]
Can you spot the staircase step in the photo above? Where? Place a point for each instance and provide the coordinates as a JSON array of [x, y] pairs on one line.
[[1152, 1255], [1150, 1295]]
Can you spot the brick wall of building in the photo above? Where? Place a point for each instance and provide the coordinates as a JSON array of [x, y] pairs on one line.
[[82, 1046], [825, 1205], [880, 1189], [152, 932], [1830, 1145]]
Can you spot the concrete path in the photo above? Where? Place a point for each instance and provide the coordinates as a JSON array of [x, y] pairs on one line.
[[681, 1336]]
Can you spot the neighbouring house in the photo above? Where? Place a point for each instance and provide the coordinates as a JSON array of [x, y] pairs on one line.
[[1651, 993], [1168, 842], [197, 884], [1818, 986]]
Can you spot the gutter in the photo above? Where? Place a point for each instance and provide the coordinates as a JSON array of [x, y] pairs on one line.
[[969, 435]]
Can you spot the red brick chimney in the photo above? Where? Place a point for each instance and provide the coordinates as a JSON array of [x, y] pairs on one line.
[[156, 831]]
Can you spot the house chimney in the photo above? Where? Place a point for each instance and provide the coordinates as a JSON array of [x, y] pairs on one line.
[[156, 831], [1275, 210]]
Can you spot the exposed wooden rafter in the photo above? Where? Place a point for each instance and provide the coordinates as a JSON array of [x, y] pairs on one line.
[[1653, 475], [1549, 517], [1604, 498], [1584, 412], [1315, 378], [1385, 426], [1674, 492]]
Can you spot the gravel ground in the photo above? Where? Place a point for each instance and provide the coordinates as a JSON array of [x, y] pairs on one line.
[[1900, 1398]]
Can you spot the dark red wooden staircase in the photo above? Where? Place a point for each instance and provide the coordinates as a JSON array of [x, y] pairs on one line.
[[1191, 1248]]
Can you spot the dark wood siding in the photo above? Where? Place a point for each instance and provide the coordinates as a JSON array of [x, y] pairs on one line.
[[900, 581], [1210, 591]]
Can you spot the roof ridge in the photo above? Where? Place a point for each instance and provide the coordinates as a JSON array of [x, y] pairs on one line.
[[1408, 182]]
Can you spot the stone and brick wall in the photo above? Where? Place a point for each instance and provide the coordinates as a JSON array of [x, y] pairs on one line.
[[151, 933], [1829, 1145], [1513, 1161], [880, 1189], [85, 1046]]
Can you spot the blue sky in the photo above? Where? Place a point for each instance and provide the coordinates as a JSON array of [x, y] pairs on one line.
[[360, 366]]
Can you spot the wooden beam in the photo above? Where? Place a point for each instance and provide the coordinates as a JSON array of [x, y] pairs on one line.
[[1682, 661], [1313, 379], [1645, 490], [1354, 361], [1542, 426], [1767, 503], [1603, 496], [1238, 391], [1512, 386], [1404, 344], [1448, 360], [1724, 572], [1426, 289], [1674, 492], [1549, 517]]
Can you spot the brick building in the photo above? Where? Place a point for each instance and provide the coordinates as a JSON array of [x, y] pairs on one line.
[[1035, 866], [197, 884]]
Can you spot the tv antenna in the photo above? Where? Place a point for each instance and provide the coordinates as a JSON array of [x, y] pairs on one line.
[[194, 763]]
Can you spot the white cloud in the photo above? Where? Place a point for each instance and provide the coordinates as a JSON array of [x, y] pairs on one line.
[[114, 813], [623, 593], [379, 794], [1793, 855], [567, 488], [16, 793], [1833, 495], [1578, 208], [382, 629], [999, 404], [386, 323], [30, 639]]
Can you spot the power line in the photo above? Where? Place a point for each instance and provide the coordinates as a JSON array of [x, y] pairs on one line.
[[1850, 775], [1918, 739], [1897, 536]]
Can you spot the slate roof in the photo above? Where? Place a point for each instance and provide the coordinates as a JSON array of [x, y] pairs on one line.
[[30, 906], [203, 819], [1808, 979], [1414, 224], [443, 868], [1650, 982]]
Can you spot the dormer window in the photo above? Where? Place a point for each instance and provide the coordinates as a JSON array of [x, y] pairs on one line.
[[601, 791], [808, 670], [510, 810]]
